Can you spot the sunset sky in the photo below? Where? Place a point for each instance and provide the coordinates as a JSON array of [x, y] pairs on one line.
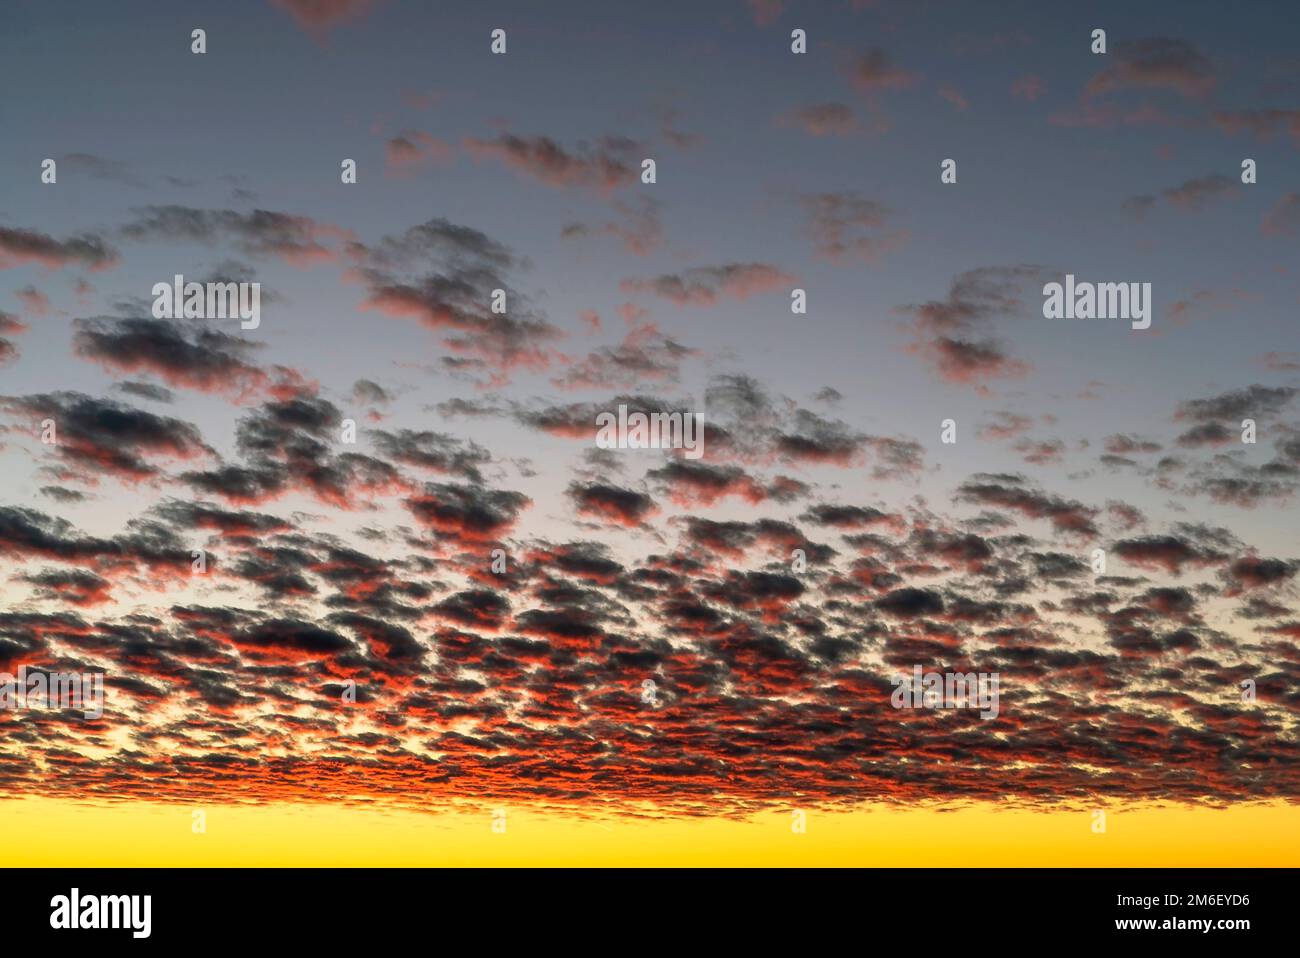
[[522, 694]]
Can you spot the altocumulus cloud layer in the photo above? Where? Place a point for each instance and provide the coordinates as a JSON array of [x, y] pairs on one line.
[[335, 563]]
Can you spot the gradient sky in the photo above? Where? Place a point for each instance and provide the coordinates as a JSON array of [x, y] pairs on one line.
[[370, 562]]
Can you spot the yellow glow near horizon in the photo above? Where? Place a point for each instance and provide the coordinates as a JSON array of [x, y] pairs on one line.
[[45, 832]]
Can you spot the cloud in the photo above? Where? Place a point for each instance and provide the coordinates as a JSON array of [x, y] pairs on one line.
[[475, 608], [954, 335], [76, 587], [1005, 425], [765, 12], [1167, 552], [1206, 434], [645, 354], [10, 325], [408, 151], [1253, 572], [28, 246], [611, 162], [848, 227], [693, 483], [444, 276], [1041, 452], [1253, 401], [1093, 115], [101, 436], [1262, 124], [370, 566], [611, 504], [369, 392], [286, 447], [184, 355], [1015, 493], [706, 285], [910, 603], [290, 640], [98, 168], [1123, 444], [1154, 63], [955, 97], [426, 449], [814, 439], [1274, 360], [638, 227], [185, 516], [467, 513], [1029, 87], [316, 16], [1284, 218], [821, 119], [1229, 479], [872, 72], [30, 533], [298, 240], [1195, 194], [34, 301], [852, 517]]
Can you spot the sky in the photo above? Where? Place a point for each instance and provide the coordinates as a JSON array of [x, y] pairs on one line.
[[769, 592]]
